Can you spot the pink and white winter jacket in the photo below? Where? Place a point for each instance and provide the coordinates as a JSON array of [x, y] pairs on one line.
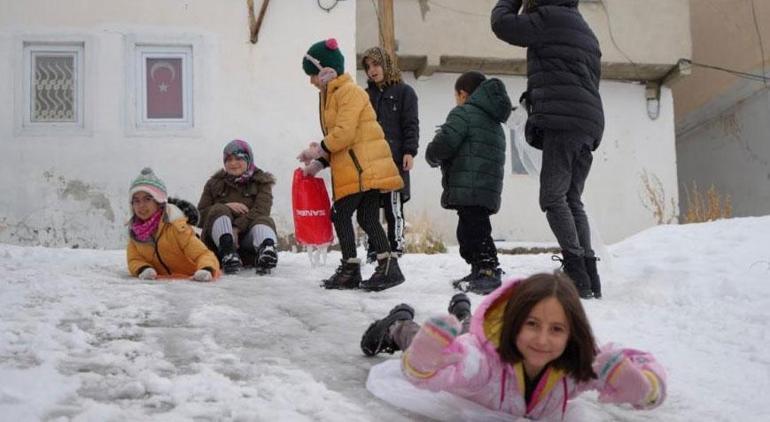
[[478, 374]]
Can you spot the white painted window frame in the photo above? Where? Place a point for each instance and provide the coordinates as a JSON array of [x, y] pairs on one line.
[[145, 52], [139, 47], [28, 45]]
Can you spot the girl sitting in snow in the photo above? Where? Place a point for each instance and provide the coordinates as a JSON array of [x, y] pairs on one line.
[[235, 211], [530, 349], [161, 242]]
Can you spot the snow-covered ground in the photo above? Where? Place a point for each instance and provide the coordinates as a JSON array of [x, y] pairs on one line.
[[80, 340]]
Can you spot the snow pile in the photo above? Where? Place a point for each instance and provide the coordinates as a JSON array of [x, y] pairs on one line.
[[81, 340]]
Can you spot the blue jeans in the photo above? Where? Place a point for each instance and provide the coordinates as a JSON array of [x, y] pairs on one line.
[[567, 160]]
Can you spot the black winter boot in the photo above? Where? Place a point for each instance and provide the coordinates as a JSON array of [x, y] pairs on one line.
[[575, 267], [377, 337], [473, 274], [593, 275], [386, 275], [487, 280], [267, 257], [228, 257], [460, 306], [347, 275]]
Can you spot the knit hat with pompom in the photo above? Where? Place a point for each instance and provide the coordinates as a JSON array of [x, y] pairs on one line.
[[328, 54], [148, 182]]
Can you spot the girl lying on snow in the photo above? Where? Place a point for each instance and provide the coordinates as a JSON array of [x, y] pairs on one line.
[[160, 241], [530, 349]]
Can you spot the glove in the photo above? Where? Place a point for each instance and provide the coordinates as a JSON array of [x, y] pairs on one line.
[[202, 275], [426, 352], [148, 274], [313, 168], [312, 152], [626, 379]]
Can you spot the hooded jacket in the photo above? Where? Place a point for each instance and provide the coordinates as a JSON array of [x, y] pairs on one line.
[[478, 373], [470, 148], [174, 249], [563, 67], [395, 104], [359, 156], [256, 194]]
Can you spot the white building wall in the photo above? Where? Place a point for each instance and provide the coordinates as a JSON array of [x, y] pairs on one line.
[[64, 189], [633, 144]]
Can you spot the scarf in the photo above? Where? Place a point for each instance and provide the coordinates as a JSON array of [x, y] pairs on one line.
[[242, 150], [392, 75], [143, 230]]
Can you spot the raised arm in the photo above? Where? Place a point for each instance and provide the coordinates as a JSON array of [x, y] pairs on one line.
[[438, 359], [512, 27]]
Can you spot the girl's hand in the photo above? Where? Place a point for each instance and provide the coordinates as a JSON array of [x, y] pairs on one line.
[[408, 162], [237, 207], [148, 274], [312, 152], [202, 275], [313, 168], [627, 381], [426, 353]]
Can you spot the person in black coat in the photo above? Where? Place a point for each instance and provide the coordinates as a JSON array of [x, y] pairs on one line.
[[395, 103], [566, 119]]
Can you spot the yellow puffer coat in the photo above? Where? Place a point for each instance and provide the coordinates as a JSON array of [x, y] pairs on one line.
[[359, 154], [174, 250]]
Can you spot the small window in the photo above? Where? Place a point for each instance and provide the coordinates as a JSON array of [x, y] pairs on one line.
[[164, 97], [53, 85]]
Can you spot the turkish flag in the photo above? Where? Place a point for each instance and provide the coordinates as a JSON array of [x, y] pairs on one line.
[[164, 88]]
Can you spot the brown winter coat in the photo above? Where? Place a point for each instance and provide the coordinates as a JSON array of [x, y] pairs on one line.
[[220, 189], [360, 158], [174, 249]]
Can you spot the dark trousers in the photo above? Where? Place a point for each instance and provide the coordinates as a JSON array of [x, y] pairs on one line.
[[366, 205], [567, 160], [393, 209], [394, 216], [474, 234]]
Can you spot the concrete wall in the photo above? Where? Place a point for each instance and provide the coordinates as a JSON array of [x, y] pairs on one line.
[[732, 153], [722, 119], [65, 189], [649, 31], [724, 35], [633, 145]]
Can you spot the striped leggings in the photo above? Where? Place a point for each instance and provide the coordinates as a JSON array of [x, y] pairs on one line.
[[366, 205]]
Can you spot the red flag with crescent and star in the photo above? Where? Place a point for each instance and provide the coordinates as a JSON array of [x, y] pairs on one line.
[[164, 88]]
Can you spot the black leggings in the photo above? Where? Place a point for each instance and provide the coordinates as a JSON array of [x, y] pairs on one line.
[[367, 208]]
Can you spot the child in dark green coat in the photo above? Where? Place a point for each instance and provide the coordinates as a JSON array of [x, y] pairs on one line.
[[470, 149]]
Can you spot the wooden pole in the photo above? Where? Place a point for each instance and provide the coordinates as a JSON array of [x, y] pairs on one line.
[[387, 28], [256, 23]]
